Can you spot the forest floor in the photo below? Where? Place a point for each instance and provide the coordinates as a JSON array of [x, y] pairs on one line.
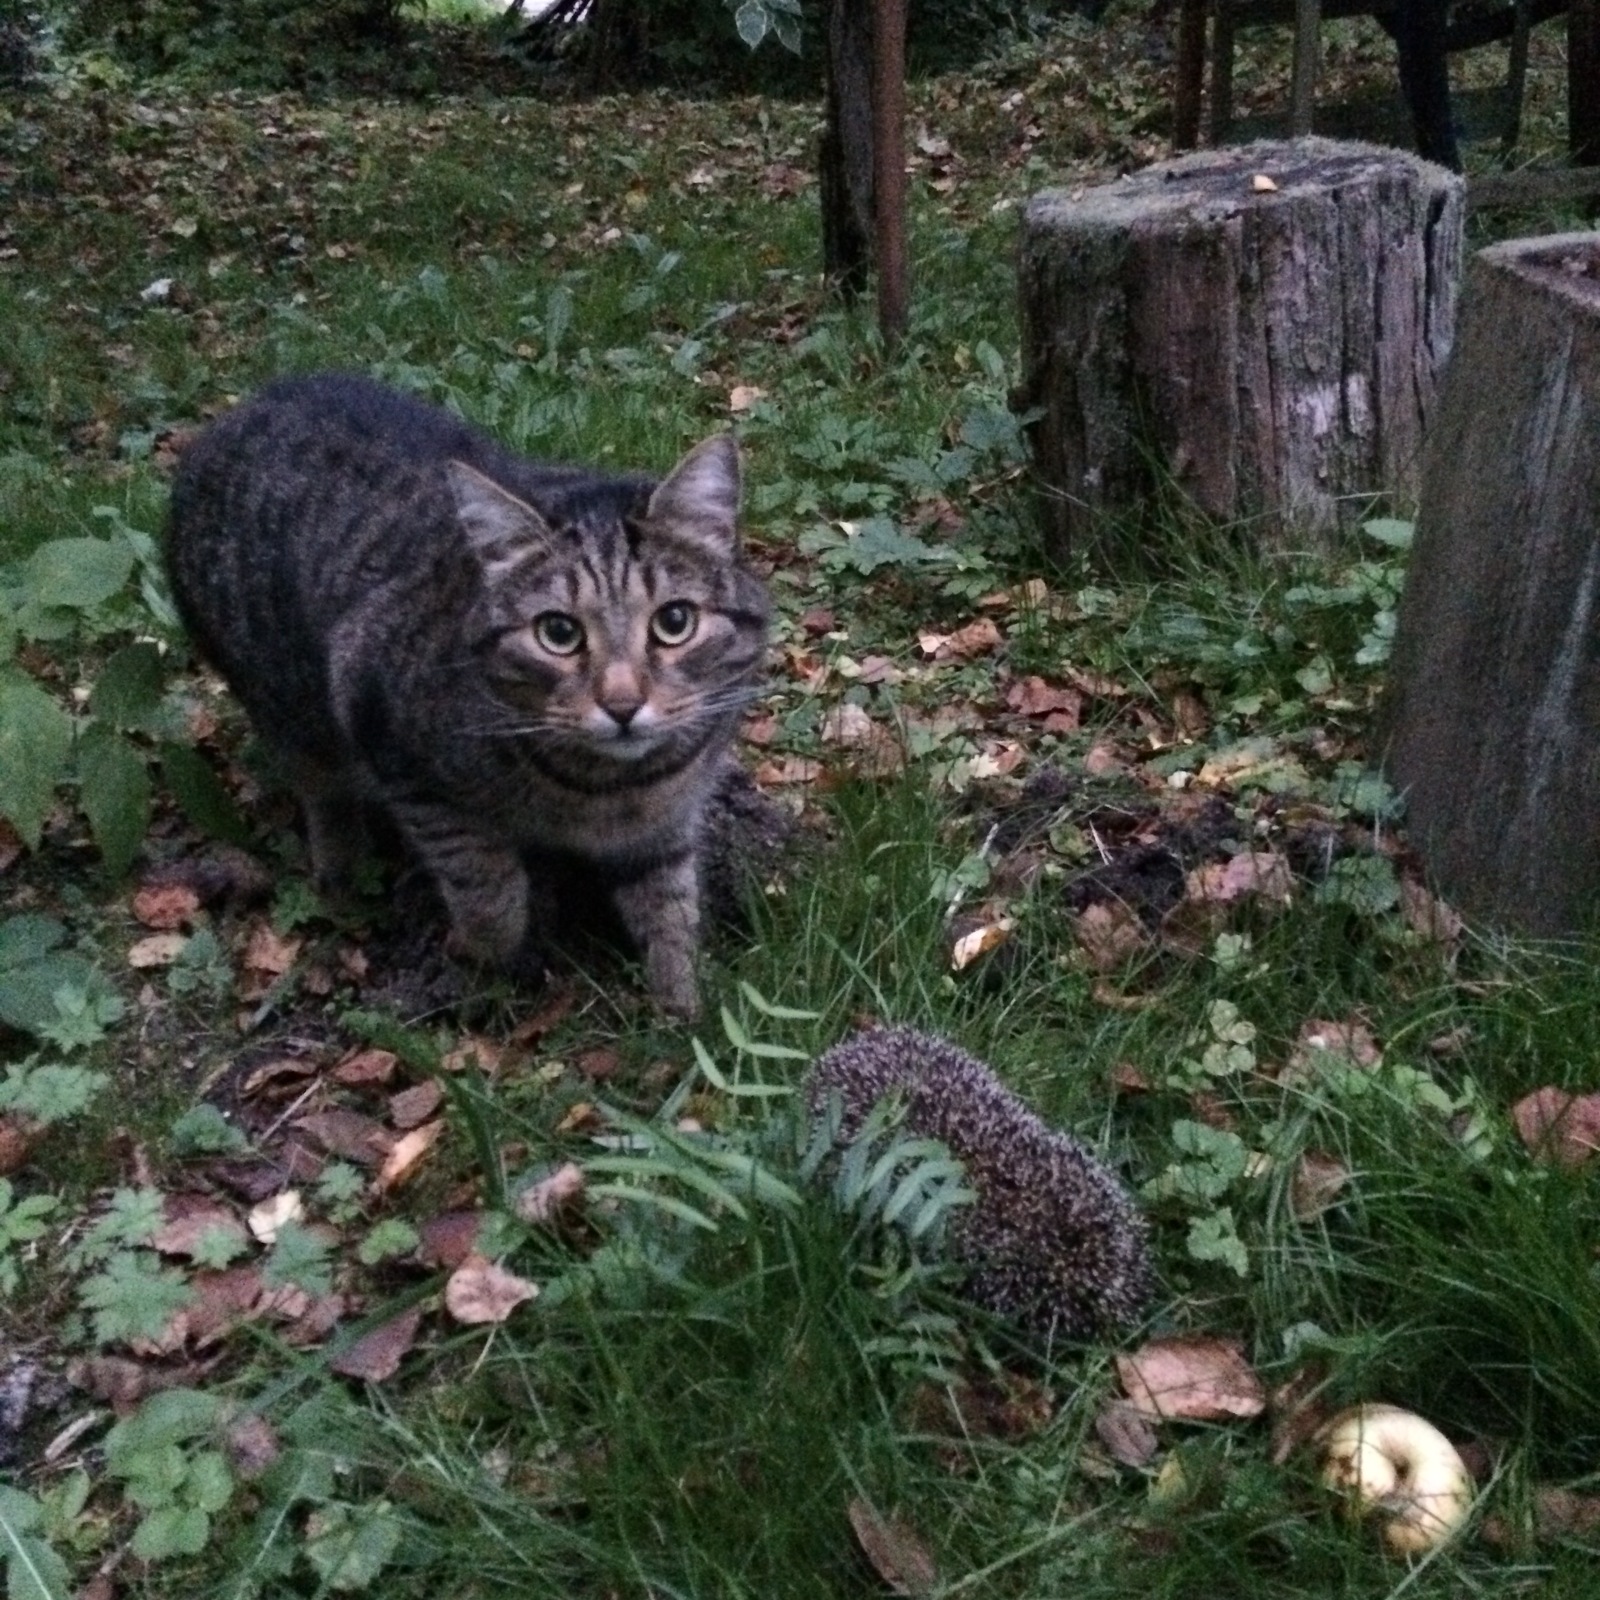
[[328, 1267]]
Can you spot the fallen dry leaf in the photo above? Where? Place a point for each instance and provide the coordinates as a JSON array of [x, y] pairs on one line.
[[541, 1202], [269, 952], [474, 1052], [480, 1292], [744, 397], [1034, 697], [166, 907], [365, 1066], [189, 1218], [1252, 874], [376, 1356], [1317, 1182], [1110, 934], [1321, 1045], [545, 1020], [980, 941], [349, 1135], [267, 1218], [220, 1302], [1559, 1127], [1126, 1433], [156, 950], [583, 1116], [410, 1108], [896, 1551], [408, 1150], [1427, 915], [1197, 1379], [977, 638], [282, 1072], [447, 1240]]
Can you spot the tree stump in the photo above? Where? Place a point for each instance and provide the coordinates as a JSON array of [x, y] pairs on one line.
[[1493, 716], [1260, 328]]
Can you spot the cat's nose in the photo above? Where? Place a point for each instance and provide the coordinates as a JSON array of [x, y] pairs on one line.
[[621, 694]]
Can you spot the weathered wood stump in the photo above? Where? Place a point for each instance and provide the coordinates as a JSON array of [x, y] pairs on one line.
[[1260, 328], [1493, 717]]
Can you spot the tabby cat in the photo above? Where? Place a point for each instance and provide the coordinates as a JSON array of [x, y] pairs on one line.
[[513, 660]]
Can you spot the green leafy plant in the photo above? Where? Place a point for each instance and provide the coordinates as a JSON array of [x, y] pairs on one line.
[[46, 990], [168, 1458], [22, 1220], [34, 1571]]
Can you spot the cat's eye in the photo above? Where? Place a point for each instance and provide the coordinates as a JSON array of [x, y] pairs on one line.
[[675, 622], [560, 634]]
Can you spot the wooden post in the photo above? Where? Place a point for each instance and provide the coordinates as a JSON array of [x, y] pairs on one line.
[[1583, 82], [1191, 74], [1256, 331], [846, 159], [1493, 719], [889, 165], [1303, 90]]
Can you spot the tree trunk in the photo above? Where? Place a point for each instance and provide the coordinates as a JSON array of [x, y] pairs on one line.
[[1583, 82], [1493, 720], [846, 162], [1259, 330], [889, 165]]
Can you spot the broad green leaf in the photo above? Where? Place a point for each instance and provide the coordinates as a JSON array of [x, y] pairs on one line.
[[28, 937], [33, 1570], [350, 1545], [171, 1531], [28, 990], [751, 20], [77, 572], [170, 1417], [1214, 1238], [1392, 531], [35, 744], [128, 692], [197, 789], [114, 791]]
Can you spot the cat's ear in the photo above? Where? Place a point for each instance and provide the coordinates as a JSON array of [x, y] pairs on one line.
[[501, 529], [697, 503]]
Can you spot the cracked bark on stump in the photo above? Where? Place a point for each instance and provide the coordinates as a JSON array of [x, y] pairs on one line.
[[1270, 354], [1493, 717]]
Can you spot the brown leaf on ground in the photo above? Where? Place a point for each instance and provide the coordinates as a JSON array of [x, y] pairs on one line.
[[447, 1240], [221, 1301], [1103, 761], [541, 1202], [284, 1074], [474, 1052], [1250, 875], [166, 907], [1426, 914], [787, 770], [410, 1108], [349, 1135], [583, 1116], [1322, 1044], [1298, 1411], [1110, 934], [480, 1292], [407, 1152], [1034, 697], [117, 1380], [1096, 684], [1318, 1181], [897, 1552], [270, 1215], [976, 638], [364, 1067], [251, 1444], [269, 953], [1127, 1078], [598, 1065], [189, 1218], [745, 397], [874, 749], [18, 1136], [550, 1015], [980, 941], [376, 1356], [156, 950], [1559, 1127], [1197, 1379], [816, 622], [1126, 1433]]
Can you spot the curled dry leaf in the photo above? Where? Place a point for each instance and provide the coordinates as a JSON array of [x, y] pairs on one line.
[[897, 1552], [408, 1150], [583, 1116], [269, 953], [349, 1135], [1250, 875], [1318, 1179], [1559, 1127], [1126, 1433], [1197, 1379], [543, 1201], [1321, 1045], [1034, 697], [156, 950], [980, 941], [376, 1356], [1110, 934], [480, 1292], [410, 1108], [476, 1053], [269, 1217], [975, 639], [366, 1066], [166, 907]]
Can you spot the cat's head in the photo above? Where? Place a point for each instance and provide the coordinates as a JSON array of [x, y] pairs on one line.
[[614, 629]]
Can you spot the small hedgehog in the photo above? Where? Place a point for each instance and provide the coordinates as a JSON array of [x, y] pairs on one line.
[[1053, 1239]]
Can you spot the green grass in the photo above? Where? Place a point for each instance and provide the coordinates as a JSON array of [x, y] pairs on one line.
[[690, 1411]]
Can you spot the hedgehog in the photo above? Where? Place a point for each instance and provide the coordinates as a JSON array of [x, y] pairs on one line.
[[1053, 1240]]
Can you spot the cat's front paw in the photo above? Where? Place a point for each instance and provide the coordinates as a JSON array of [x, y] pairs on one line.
[[673, 985]]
